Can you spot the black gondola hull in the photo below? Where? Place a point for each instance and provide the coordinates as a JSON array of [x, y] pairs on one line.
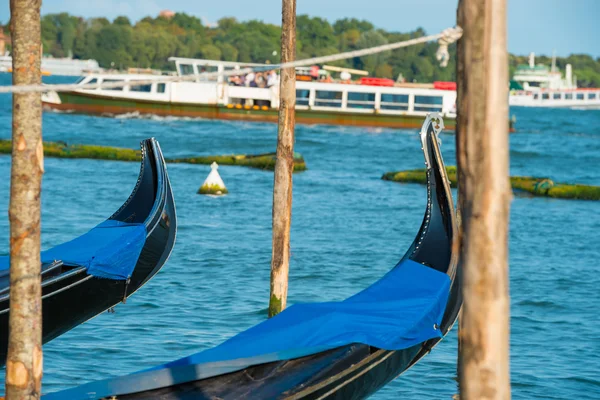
[[74, 297]]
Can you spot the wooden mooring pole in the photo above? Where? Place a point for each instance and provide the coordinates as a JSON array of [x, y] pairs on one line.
[[284, 165], [24, 360], [484, 196]]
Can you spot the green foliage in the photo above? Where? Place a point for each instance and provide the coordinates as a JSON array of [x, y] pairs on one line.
[[122, 21], [542, 187], [372, 39], [151, 41], [344, 25]]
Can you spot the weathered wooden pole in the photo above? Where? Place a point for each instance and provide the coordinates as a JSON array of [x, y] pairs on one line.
[[485, 195], [24, 360], [284, 165]]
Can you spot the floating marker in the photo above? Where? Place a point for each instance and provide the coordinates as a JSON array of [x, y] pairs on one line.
[[213, 184]]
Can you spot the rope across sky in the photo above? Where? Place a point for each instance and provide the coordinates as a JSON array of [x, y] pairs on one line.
[[444, 38]]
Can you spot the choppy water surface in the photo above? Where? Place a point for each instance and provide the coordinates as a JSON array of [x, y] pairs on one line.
[[349, 227]]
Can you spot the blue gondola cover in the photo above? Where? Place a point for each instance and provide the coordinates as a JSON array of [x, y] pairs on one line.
[[402, 309], [110, 250]]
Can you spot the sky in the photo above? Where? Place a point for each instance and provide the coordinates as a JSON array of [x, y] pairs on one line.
[[540, 26]]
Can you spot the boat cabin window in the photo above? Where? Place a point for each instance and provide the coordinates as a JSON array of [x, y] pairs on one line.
[[206, 69], [302, 96], [534, 84], [397, 102], [361, 100], [579, 96], [92, 81], [186, 69], [568, 96], [556, 96], [111, 81], [592, 96], [328, 98], [428, 103], [160, 88], [545, 96], [141, 88], [536, 96]]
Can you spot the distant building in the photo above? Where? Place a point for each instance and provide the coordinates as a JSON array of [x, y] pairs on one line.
[[167, 14]]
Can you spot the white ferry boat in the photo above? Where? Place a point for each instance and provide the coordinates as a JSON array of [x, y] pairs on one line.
[[541, 86], [320, 99], [57, 66]]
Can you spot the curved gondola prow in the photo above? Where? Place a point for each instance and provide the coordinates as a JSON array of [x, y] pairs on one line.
[[149, 191], [435, 243], [153, 206]]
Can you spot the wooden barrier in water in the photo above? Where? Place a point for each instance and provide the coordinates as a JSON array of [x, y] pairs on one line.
[[63, 150], [535, 186]]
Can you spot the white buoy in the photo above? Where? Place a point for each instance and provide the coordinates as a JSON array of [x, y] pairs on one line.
[[213, 184]]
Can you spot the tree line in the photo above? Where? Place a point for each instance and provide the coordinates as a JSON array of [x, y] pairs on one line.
[[149, 43]]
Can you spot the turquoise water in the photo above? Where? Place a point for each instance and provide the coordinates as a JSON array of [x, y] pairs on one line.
[[349, 227]]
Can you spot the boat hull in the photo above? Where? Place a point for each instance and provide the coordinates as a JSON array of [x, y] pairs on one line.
[[85, 103]]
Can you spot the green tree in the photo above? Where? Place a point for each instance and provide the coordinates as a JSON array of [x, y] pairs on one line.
[[314, 34], [346, 24], [371, 39], [210, 51], [122, 20], [228, 52]]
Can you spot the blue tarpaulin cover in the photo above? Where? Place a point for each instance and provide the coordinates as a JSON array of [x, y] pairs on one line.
[[397, 312], [401, 310], [110, 250]]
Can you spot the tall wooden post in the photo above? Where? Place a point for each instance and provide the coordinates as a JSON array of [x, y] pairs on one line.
[[284, 165], [24, 360], [485, 195]]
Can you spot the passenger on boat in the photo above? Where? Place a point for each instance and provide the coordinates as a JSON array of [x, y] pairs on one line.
[[250, 78], [236, 80], [260, 80], [272, 78], [314, 72]]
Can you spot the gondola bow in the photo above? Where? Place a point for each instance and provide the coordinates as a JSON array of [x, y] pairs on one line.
[[92, 273]]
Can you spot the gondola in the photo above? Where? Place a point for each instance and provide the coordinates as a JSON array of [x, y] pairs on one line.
[[94, 272], [338, 350]]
